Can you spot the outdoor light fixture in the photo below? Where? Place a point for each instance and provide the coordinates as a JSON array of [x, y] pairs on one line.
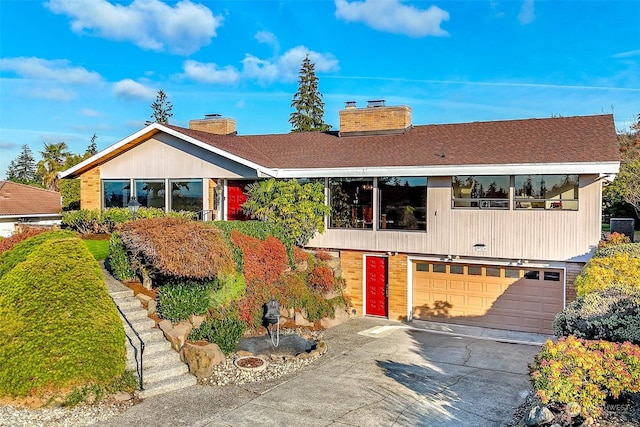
[[133, 206]]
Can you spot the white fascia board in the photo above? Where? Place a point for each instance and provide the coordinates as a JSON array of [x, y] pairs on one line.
[[504, 169]]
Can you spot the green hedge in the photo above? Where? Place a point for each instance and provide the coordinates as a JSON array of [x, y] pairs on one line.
[[612, 314], [179, 299], [118, 261], [20, 251], [59, 329], [87, 221]]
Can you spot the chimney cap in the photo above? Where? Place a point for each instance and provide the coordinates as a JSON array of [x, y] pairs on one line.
[[350, 104], [375, 103], [212, 116]]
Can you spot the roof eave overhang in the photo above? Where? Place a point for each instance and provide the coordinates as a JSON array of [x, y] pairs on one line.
[[31, 215], [146, 133], [450, 170]]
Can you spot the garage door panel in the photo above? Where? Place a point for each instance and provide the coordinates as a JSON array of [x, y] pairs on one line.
[[497, 302]]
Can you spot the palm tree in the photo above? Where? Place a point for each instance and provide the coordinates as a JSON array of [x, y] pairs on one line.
[[53, 160]]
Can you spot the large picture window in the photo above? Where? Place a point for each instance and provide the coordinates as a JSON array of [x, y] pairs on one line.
[[551, 192], [186, 195], [115, 193], [150, 193], [485, 192], [351, 201], [402, 203]]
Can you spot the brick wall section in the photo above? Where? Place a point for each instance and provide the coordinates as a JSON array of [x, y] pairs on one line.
[[375, 119], [351, 265], [573, 270], [220, 126], [398, 289], [90, 189]]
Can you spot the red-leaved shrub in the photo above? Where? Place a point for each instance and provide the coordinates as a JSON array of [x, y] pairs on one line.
[[321, 278], [14, 239]]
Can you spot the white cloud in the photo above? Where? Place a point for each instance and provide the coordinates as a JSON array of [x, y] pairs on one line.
[[209, 72], [282, 68], [88, 112], [149, 24], [54, 94], [627, 54], [287, 66], [57, 70], [394, 17], [527, 13], [129, 89], [267, 38]]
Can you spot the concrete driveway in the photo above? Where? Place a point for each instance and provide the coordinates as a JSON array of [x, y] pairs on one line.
[[376, 373]]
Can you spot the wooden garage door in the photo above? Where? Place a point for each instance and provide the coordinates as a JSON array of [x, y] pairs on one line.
[[519, 299]]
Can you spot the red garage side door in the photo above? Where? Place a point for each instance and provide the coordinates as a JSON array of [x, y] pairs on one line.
[[376, 286], [235, 198]]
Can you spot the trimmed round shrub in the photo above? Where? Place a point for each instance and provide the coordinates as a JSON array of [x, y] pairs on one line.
[[631, 249], [20, 251], [225, 333], [612, 314], [601, 273], [59, 329], [177, 299]]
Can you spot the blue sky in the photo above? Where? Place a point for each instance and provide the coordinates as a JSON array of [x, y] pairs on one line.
[[72, 68]]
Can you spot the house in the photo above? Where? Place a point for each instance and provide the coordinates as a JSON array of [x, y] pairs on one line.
[[484, 223], [26, 205]]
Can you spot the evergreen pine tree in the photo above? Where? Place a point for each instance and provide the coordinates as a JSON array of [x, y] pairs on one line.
[[92, 148], [22, 169], [161, 109], [307, 101]]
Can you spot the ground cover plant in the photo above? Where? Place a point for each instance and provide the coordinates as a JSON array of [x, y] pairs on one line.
[[59, 330], [225, 333], [611, 314], [179, 299], [585, 372]]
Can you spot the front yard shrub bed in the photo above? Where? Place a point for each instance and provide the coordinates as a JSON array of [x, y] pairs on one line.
[[86, 221], [585, 372], [9, 242], [631, 249], [60, 329], [20, 251], [179, 299], [616, 270], [118, 260], [224, 332], [612, 314], [173, 247]]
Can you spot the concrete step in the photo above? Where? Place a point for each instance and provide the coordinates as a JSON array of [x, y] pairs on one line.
[[127, 303], [121, 293], [153, 388], [161, 358], [141, 324], [134, 313], [157, 373]]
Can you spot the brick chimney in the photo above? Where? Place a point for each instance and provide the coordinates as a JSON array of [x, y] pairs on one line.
[[214, 123], [375, 118]]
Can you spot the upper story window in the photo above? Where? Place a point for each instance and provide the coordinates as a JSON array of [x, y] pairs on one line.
[[403, 202], [553, 192], [486, 192], [351, 201], [115, 193]]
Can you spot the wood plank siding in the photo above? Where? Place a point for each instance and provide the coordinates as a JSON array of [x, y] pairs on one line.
[[512, 234]]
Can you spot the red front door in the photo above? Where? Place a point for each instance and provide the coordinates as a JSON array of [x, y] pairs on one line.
[[376, 286], [235, 198]]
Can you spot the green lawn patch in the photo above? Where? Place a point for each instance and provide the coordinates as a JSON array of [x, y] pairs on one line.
[[98, 248]]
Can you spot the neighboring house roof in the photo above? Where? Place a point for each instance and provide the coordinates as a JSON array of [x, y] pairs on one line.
[[24, 200], [573, 141]]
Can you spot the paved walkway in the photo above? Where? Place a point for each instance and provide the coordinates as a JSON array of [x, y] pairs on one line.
[[376, 373]]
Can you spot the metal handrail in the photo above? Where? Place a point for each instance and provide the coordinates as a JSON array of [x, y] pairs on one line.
[[135, 350], [205, 215]]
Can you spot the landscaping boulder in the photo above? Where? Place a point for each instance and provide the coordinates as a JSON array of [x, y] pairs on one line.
[[196, 320], [201, 358], [538, 415], [175, 333], [341, 315], [301, 319]]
